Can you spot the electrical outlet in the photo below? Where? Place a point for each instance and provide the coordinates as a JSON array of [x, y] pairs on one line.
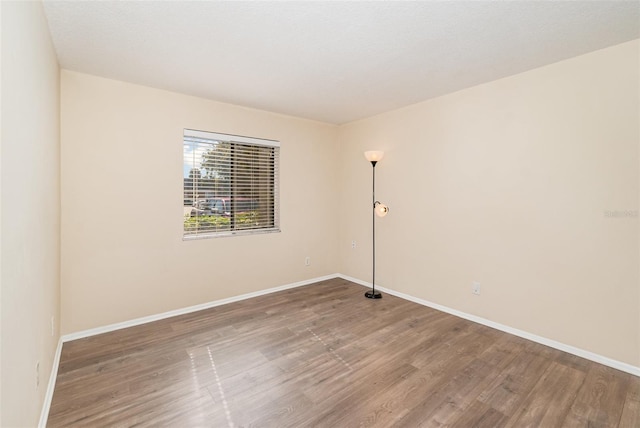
[[475, 288], [353, 244], [37, 374], [307, 261]]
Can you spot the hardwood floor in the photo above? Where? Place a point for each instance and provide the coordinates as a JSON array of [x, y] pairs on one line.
[[324, 356]]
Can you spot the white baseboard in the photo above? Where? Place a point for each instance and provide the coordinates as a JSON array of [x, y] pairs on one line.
[[46, 406], [138, 321], [628, 368], [619, 365], [44, 414]]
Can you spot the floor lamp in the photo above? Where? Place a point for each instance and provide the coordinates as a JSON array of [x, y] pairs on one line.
[[380, 210]]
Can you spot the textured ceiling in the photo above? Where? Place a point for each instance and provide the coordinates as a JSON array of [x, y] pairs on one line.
[[330, 61]]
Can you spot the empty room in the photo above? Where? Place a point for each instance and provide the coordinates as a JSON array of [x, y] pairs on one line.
[[320, 214]]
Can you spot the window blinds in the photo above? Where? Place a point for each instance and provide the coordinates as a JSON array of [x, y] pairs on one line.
[[230, 184]]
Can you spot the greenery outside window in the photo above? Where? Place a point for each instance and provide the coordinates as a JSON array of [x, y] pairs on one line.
[[230, 185]]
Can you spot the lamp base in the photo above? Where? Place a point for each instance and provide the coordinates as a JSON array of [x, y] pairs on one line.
[[373, 295]]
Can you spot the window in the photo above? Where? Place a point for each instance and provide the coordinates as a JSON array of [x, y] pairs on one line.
[[230, 185]]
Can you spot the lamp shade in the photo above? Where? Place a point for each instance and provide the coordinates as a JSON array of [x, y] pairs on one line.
[[381, 209], [373, 155]]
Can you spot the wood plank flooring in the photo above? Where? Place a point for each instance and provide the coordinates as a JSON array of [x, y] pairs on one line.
[[324, 356]]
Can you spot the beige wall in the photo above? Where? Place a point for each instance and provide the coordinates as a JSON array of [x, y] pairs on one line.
[[507, 183], [123, 256], [30, 210]]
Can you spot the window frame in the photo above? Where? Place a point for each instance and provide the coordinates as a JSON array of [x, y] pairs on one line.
[[234, 141]]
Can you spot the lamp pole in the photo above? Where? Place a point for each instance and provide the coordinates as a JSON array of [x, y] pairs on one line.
[[373, 294]]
